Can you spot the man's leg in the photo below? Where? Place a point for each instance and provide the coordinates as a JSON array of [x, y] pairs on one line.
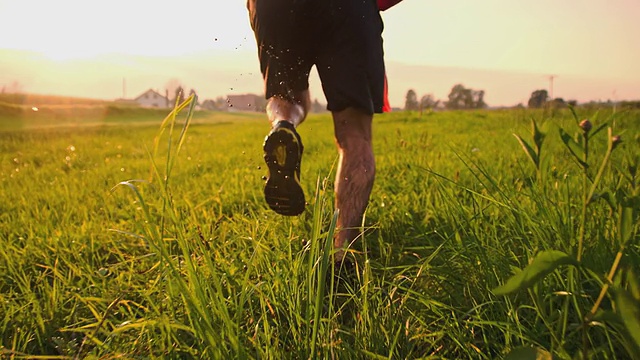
[[355, 174], [283, 153], [283, 50], [279, 109]]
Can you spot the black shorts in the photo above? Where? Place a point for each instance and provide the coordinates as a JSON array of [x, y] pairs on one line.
[[342, 38]]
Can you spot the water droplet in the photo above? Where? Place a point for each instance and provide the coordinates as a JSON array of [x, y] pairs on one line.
[[264, 177]]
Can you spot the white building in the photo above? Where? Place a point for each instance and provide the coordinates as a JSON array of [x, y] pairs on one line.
[[152, 99]]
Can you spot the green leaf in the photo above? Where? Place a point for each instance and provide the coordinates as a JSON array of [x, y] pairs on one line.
[[610, 199], [632, 164], [575, 116], [528, 353], [576, 150], [529, 150], [629, 310], [607, 317], [597, 130], [626, 224], [538, 136], [543, 264], [634, 287]]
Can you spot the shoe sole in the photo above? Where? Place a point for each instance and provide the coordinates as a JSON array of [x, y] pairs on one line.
[[282, 153]]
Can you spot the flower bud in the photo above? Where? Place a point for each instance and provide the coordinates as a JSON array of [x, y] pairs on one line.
[[615, 140], [586, 125]]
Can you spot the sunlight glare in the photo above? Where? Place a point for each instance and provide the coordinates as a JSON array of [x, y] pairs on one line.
[[72, 29]]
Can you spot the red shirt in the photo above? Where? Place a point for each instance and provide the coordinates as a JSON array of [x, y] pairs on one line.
[[385, 4]]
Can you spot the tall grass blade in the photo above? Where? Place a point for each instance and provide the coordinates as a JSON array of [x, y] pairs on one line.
[[322, 274], [574, 148], [598, 129], [626, 224], [538, 136], [529, 151], [629, 309], [528, 353], [543, 264]]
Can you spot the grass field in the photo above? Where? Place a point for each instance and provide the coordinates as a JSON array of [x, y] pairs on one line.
[[111, 248]]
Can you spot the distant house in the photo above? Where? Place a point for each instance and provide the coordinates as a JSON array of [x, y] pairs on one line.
[[152, 99], [245, 102], [209, 105]]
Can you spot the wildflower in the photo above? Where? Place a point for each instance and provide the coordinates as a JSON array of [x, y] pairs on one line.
[[615, 140], [585, 125]]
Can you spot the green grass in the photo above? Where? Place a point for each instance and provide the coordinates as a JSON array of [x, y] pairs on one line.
[[193, 264], [27, 112]]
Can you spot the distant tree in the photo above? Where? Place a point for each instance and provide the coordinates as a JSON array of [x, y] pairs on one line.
[[221, 103], [193, 92], [478, 99], [316, 107], [261, 103], [630, 104], [179, 95], [463, 98], [458, 97], [172, 85], [573, 103], [428, 102], [209, 105], [558, 103], [411, 101], [538, 99]]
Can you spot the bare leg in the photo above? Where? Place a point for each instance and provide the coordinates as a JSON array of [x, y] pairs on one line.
[[283, 154], [355, 175], [279, 109]]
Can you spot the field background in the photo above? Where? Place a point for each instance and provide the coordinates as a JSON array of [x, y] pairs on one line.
[[193, 264]]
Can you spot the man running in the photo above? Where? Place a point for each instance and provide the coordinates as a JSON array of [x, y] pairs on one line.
[[343, 39]]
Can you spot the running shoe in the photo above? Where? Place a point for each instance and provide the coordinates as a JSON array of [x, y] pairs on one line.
[[282, 153]]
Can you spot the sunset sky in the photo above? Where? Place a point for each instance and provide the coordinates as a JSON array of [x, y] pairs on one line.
[[86, 48]]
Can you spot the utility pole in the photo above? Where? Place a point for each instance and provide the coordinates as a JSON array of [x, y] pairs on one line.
[[551, 77]]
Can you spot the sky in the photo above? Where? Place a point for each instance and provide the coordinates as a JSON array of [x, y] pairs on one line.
[[508, 48]]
